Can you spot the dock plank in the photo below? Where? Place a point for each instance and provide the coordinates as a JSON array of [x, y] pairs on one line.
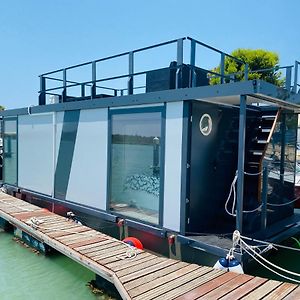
[[207, 275], [152, 276], [147, 271], [149, 286], [169, 286], [295, 294], [280, 292], [244, 289], [208, 286], [263, 290], [226, 288]]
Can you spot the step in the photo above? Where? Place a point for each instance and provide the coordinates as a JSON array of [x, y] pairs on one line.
[[256, 152], [265, 130], [268, 117], [262, 141]]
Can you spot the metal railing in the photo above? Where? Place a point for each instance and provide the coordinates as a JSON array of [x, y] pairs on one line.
[[62, 82]]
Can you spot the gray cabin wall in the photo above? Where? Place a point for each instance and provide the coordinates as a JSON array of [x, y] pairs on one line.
[[64, 155]]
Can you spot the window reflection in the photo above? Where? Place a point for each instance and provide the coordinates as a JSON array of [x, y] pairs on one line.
[[135, 165]]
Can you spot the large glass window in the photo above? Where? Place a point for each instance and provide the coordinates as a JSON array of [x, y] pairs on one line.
[[10, 151], [136, 165]]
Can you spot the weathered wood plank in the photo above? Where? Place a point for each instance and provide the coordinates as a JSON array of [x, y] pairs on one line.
[[162, 280], [146, 264], [87, 248], [245, 288], [63, 232], [147, 271], [206, 276], [152, 276], [227, 287], [169, 286], [209, 286], [282, 291], [86, 242], [295, 294], [106, 250], [263, 290], [126, 263], [105, 245]]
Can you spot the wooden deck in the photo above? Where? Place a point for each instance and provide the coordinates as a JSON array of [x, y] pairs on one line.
[[146, 276]]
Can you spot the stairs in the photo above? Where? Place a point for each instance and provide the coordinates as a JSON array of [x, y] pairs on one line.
[[258, 139]]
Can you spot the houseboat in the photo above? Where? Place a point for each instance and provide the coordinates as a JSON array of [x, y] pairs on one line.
[[161, 154]]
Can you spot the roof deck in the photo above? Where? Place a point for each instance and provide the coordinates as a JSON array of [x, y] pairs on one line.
[[132, 72]]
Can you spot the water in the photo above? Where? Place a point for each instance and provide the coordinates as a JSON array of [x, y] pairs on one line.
[[26, 275]]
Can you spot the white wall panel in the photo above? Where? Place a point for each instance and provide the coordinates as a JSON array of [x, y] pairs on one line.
[[88, 177], [35, 152], [173, 156]]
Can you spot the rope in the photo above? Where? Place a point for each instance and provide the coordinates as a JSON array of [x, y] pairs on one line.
[[283, 204], [238, 241], [232, 190]]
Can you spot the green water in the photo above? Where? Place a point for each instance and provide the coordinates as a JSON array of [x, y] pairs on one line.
[[26, 275]]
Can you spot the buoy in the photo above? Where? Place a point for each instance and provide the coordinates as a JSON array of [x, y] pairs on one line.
[[221, 264], [132, 241], [235, 266]]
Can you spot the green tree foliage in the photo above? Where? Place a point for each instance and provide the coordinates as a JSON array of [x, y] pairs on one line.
[[257, 59], [2, 107]]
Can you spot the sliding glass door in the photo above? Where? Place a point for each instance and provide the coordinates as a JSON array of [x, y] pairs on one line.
[[135, 179]]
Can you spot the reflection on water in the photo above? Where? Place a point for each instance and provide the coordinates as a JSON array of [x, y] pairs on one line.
[[25, 275]]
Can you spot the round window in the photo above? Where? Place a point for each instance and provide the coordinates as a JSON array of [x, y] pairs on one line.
[[205, 124]]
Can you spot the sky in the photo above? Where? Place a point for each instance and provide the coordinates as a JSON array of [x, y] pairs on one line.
[[40, 36]]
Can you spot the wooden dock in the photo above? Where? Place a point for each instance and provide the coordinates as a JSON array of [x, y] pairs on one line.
[[146, 276]]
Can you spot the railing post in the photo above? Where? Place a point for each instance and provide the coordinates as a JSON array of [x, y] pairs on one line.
[[288, 78], [246, 76], [94, 78], [179, 63], [193, 63], [296, 77], [241, 161], [64, 92], [264, 197], [131, 72], [42, 95], [222, 67], [82, 90]]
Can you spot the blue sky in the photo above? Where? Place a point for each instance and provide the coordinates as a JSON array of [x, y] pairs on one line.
[[39, 36]]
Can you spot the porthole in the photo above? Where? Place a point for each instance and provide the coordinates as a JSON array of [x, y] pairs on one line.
[[205, 124]]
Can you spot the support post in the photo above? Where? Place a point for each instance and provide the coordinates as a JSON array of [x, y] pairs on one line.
[[64, 92], [241, 160], [94, 78], [179, 63], [264, 198], [282, 153], [296, 77], [130, 72], [222, 67], [42, 95], [193, 63]]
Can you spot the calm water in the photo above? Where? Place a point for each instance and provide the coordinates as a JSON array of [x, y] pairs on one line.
[[25, 275]]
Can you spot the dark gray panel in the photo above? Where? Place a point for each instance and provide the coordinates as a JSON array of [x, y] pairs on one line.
[[65, 153]]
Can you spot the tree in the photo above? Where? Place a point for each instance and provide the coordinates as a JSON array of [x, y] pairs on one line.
[[257, 59], [2, 107]]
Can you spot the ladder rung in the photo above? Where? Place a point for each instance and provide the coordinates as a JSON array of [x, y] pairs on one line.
[[261, 141]]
